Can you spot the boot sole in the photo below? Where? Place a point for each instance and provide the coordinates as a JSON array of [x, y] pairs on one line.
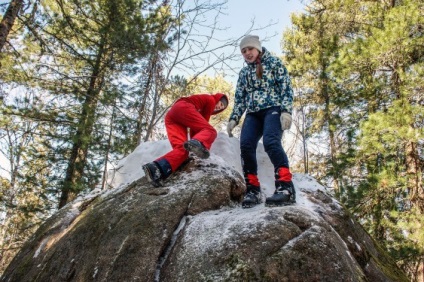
[[200, 152], [247, 206], [280, 204]]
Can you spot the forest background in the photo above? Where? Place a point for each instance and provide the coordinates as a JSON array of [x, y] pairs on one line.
[[83, 83]]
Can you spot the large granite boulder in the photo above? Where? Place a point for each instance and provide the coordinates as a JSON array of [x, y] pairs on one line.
[[194, 229]]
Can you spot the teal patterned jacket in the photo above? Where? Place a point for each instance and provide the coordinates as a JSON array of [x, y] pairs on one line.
[[254, 94]]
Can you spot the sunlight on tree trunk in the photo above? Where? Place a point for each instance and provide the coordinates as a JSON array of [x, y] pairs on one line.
[[8, 20]]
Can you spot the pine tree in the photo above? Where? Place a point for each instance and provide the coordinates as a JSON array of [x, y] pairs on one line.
[[25, 199], [370, 65], [8, 20], [312, 48], [100, 37], [391, 138]]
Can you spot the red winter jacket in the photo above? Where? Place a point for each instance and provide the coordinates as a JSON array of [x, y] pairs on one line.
[[205, 103]]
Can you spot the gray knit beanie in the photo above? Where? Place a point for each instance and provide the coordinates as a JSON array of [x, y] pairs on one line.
[[251, 41]]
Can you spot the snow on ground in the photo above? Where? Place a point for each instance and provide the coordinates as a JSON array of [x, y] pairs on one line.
[[225, 151]]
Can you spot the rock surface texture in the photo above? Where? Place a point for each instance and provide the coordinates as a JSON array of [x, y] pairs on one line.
[[194, 229]]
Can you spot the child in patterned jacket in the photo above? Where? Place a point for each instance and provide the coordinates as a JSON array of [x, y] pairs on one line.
[[264, 92]]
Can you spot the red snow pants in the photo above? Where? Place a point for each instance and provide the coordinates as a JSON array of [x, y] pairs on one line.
[[180, 117]]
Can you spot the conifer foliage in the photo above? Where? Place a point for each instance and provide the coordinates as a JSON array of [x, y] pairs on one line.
[[82, 83], [359, 69], [66, 55]]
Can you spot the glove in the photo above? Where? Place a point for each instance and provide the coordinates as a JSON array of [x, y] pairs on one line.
[[230, 126], [286, 120]]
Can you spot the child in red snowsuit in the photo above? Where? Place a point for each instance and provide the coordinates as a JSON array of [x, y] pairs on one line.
[[191, 112]]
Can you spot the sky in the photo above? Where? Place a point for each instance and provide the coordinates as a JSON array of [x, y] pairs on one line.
[[264, 12], [267, 18]]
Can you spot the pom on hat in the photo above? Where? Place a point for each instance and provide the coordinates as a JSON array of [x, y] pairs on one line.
[[251, 41]]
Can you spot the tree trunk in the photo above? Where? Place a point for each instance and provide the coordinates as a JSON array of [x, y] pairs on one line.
[[304, 141], [157, 93], [109, 145], [82, 138], [414, 172], [141, 116], [324, 89], [8, 20]]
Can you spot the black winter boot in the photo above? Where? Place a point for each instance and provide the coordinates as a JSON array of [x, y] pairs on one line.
[[252, 196], [197, 148], [284, 194], [153, 173]]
